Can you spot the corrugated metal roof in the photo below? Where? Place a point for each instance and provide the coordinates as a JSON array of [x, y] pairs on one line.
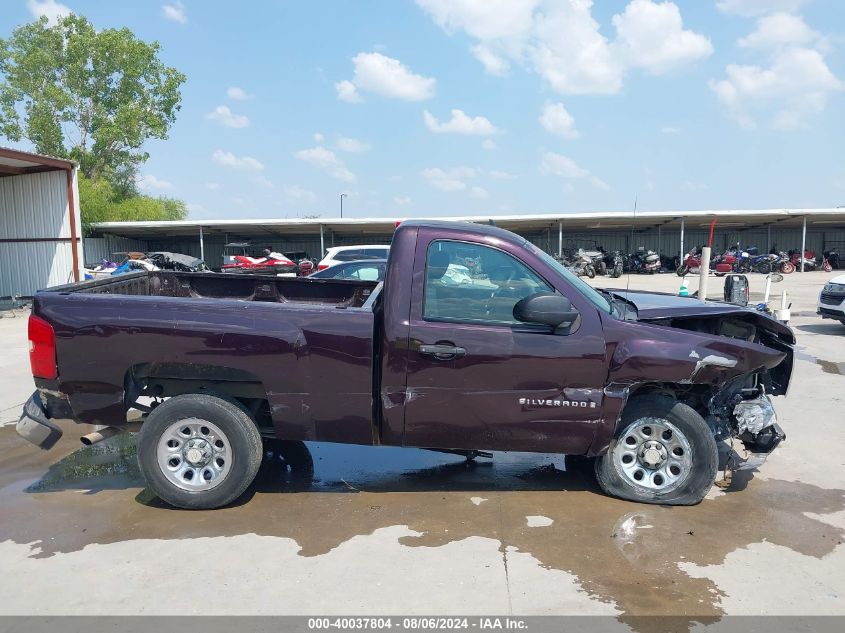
[[18, 158], [592, 220]]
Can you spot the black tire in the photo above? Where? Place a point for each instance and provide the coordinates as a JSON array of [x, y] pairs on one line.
[[703, 453], [616, 273], [591, 272], [240, 431], [681, 271]]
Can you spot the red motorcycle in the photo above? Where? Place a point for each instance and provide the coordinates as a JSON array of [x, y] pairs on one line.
[[270, 264], [691, 263]]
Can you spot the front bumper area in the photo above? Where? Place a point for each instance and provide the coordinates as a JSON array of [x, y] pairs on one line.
[[35, 425], [831, 305]]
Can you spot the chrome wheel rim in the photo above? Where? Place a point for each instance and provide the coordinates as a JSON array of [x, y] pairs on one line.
[[194, 454], [653, 455]]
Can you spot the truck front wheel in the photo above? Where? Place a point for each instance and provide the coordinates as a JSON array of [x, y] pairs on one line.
[[199, 451], [664, 453]]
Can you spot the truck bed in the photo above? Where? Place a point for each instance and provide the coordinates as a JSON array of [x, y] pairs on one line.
[[303, 346], [338, 293]]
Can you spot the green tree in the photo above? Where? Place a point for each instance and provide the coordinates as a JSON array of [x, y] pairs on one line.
[[91, 96], [101, 201]]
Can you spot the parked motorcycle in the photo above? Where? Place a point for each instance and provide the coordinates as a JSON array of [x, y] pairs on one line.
[[582, 264], [644, 262], [832, 258], [614, 263], [783, 263], [809, 259], [691, 263]]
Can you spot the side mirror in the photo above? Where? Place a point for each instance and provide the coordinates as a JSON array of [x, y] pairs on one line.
[[776, 277], [546, 308]]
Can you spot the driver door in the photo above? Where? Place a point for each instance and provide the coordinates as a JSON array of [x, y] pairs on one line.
[[479, 379]]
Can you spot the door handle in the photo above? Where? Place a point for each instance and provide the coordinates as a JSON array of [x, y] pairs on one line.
[[442, 351]]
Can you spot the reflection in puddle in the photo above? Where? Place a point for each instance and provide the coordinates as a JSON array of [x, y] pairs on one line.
[[622, 553]]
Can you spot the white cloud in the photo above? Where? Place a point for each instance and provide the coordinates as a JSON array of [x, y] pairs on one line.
[[384, 76], [195, 207], [556, 120], [488, 144], [346, 91], [228, 159], [239, 94], [651, 36], [562, 42], [670, 130], [460, 123], [151, 183], [319, 138], [352, 145], [295, 193], [559, 165], [566, 168], [402, 201], [779, 30], [493, 64], [795, 84], [326, 159], [224, 116], [479, 192], [451, 180], [212, 185], [51, 9], [751, 8], [501, 175], [175, 12]]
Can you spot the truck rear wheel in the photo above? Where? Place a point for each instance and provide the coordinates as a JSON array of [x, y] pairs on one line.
[[664, 453], [199, 451]]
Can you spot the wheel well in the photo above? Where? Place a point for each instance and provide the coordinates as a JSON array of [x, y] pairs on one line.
[[165, 380], [696, 396]]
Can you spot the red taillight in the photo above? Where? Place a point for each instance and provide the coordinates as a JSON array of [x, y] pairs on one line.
[[322, 266], [42, 348]]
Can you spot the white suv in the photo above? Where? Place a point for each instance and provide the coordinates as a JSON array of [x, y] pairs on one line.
[[338, 254], [832, 299]]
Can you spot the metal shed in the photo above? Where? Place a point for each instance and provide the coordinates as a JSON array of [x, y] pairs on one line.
[[667, 232], [40, 225]]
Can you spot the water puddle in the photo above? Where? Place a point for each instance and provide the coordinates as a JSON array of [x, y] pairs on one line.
[[828, 366], [622, 553]]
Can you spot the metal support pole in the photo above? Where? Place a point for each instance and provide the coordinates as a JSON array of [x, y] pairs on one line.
[[560, 238], [322, 243], [682, 241], [703, 271], [658, 239], [768, 237], [202, 246], [803, 241]]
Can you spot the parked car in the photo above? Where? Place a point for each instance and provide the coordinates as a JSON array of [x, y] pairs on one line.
[[366, 270], [831, 303], [337, 254], [527, 357]]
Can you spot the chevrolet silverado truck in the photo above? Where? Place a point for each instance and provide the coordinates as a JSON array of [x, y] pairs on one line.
[[520, 356]]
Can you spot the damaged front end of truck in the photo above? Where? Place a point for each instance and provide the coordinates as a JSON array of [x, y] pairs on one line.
[[724, 361]]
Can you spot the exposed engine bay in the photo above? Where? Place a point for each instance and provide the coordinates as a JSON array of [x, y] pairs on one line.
[[742, 407]]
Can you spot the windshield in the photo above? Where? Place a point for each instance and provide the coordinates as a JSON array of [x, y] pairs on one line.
[[596, 298]]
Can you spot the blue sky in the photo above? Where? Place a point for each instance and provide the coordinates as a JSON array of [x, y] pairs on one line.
[[468, 107]]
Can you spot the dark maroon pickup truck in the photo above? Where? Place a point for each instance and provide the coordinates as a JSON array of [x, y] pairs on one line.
[[519, 355]]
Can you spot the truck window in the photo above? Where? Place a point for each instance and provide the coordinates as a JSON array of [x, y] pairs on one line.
[[475, 283]]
